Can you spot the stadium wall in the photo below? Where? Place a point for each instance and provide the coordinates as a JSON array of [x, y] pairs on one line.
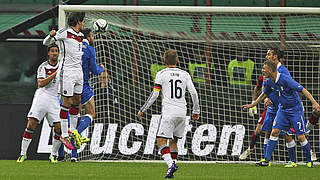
[[11, 127]]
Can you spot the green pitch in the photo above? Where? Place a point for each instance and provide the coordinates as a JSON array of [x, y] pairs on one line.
[[31, 170]]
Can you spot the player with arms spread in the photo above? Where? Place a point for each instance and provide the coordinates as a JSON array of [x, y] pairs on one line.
[[45, 104], [172, 82], [71, 75], [290, 112]]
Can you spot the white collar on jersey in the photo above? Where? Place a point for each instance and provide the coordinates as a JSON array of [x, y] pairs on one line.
[[278, 65], [85, 40], [278, 76]]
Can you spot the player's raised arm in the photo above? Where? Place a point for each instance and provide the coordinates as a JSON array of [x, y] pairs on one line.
[[55, 36], [50, 38]]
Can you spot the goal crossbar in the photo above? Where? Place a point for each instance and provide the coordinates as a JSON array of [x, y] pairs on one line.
[[183, 9]]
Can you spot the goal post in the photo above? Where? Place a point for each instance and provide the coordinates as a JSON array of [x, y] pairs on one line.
[[223, 49]]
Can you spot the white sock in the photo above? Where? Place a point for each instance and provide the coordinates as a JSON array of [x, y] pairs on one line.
[[167, 158], [25, 145], [73, 122], [305, 142], [55, 146], [64, 128]]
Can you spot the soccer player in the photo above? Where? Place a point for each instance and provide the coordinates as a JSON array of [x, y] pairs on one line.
[[275, 55], [290, 112], [265, 123], [45, 104], [172, 82], [71, 75], [89, 64]]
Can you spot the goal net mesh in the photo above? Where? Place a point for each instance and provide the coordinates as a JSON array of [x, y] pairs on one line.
[[224, 54]]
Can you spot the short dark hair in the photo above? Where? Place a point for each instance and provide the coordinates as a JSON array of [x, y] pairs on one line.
[[86, 32], [51, 46], [75, 17], [276, 51], [170, 57], [272, 65]]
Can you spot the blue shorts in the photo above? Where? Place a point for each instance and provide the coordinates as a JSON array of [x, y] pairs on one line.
[[268, 120], [291, 117], [86, 95]]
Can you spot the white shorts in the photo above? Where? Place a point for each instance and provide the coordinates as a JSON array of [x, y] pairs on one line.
[[171, 126], [44, 105], [71, 82]]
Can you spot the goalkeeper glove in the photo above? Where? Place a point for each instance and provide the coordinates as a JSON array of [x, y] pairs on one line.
[[253, 111]]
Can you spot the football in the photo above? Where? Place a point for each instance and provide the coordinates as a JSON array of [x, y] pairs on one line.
[[100, 26]]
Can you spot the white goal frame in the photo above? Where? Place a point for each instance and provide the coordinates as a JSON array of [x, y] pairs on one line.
[[182, 9], [204, 11]]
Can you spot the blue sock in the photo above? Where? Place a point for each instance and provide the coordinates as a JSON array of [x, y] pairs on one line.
[[265, 144], [306, 150], [61, 151], [292, 154], [265, 149], [74, 151], [85, 122], [272, 143]]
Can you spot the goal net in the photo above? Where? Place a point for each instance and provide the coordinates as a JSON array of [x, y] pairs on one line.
[[223, 49]]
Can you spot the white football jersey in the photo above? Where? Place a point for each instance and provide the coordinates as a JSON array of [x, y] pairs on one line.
[[173, 83], [70, 47], [44, 71]]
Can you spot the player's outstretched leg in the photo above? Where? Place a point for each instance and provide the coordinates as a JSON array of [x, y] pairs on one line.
[[253, 140], [66, 141], [84, 123], [76, 136]]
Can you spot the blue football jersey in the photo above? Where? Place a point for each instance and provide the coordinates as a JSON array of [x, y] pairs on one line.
[[89, 63], [283, 70], [286, 88]]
